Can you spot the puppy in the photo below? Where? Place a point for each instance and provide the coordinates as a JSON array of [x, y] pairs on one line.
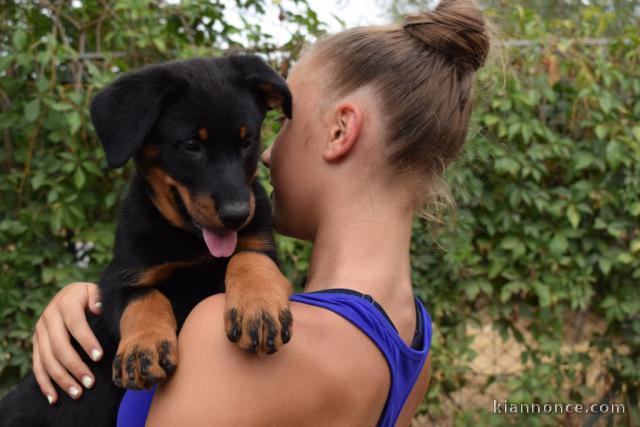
[[195, 222]]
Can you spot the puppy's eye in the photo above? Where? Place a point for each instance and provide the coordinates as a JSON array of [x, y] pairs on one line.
[[190, 145], [246, 144]]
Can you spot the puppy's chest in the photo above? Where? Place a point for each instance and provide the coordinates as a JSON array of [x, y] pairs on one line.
[[187, 286]]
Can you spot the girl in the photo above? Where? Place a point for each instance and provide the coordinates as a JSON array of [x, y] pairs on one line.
[[379, 112]]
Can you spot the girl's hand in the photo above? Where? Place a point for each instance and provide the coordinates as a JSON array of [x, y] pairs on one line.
[[53, 355]]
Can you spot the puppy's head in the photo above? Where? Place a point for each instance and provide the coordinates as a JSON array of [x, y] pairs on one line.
[[193, 128]]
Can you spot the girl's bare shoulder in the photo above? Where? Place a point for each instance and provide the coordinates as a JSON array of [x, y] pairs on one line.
[[328, 372]]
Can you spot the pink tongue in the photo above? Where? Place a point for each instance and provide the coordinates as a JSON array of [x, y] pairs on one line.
[[221, 245]]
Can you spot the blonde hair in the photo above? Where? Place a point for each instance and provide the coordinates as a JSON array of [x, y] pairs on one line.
[[423, 71]]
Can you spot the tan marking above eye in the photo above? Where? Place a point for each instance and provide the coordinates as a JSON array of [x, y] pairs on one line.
[[203, 134], [243, 131]]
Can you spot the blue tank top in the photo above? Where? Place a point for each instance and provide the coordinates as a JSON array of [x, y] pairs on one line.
[[405, 362]]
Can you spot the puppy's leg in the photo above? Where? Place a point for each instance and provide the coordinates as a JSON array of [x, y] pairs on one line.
[[257, 314], [148, 352]]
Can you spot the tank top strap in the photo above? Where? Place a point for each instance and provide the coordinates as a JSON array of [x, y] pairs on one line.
[[405, 363]]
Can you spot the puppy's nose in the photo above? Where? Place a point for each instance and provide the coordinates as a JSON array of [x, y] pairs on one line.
[[234, 215]]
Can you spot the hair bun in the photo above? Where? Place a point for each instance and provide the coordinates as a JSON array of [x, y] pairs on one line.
[[455, 29]]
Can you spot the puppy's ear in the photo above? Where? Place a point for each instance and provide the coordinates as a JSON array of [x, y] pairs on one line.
[[125, 111], [265, 81]]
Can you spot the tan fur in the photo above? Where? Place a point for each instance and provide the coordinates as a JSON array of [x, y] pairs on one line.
[[162, 198], [274, 99], [254, 242], [145, 324], [159, 273], [255, 285], [203, 134]]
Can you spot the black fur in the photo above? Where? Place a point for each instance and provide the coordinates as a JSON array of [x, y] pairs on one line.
[[163, 106]]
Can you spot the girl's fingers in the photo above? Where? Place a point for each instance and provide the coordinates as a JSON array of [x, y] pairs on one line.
[[93, 294], [64, 352], [54, 369], [42, 378], [76, 322]]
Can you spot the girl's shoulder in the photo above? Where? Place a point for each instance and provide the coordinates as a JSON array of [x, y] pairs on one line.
[[329, 368]]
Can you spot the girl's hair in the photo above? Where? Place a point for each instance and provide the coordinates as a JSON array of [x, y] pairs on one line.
[[422, 70]]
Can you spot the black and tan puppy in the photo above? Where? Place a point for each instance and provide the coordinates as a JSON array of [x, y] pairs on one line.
[[194, 220]]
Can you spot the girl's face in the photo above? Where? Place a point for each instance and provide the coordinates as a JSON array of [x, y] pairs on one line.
[[295, 158]]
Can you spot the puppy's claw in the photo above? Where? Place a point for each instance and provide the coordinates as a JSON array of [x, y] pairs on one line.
[[145, 363]]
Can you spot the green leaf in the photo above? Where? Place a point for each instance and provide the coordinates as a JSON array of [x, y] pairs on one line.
[[19, 39], [543, 293], [42, 85], [605, 104], [605, 266], [52, 196], [74, 120], [558, 244], [614, 153], [574, 216], [490, 119], [583, 159], [608, 302], [37, 180], [92, 168], [79, 178], [55, 220], [507, 164], [625, 258], [32, 110], [601, 131]]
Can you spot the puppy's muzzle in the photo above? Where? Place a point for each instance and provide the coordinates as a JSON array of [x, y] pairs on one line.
[[234, 215]]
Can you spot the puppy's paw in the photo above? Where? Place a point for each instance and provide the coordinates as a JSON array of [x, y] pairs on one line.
[[258, 324], [257, 314], [145, 361]]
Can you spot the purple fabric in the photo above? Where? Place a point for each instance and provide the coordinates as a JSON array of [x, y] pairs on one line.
[[405, 363], [134, 407]]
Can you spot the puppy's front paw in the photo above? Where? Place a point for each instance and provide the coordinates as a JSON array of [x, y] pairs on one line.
[[257, 314], [145, 360], [258, 325]]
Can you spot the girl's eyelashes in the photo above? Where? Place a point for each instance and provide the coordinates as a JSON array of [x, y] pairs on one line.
[[281, 119]]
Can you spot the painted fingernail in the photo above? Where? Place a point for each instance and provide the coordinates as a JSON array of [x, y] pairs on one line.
[[98, 304], [95, 354], [73, 391], [50, 399], [87, 381]]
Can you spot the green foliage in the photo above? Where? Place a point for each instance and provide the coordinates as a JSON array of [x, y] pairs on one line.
[[548, 187]]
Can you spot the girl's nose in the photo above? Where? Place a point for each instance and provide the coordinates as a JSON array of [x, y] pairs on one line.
[[266, 156]]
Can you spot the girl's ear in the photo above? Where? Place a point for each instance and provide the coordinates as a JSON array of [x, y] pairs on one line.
[[345, 129]]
